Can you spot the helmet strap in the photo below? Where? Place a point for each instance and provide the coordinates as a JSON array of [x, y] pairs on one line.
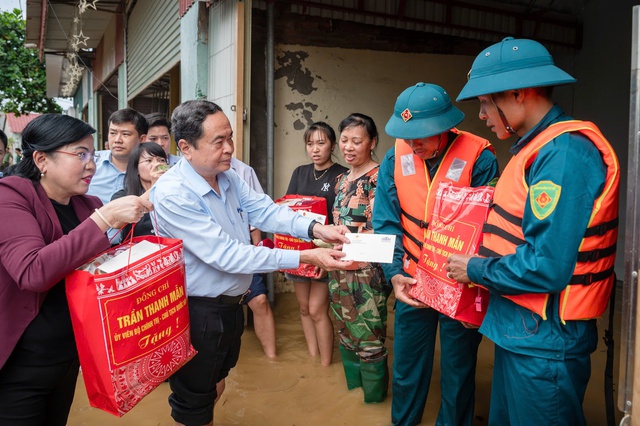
[[440, 148], [505, 123]]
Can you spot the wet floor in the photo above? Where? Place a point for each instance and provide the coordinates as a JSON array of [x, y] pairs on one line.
[[295, 390]]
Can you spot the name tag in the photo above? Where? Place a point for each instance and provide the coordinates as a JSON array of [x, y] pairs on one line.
[[456, 169], [408, 165]]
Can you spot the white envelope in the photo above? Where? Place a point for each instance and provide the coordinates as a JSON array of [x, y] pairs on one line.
[[315, 216], [369, 248], [138, 251]]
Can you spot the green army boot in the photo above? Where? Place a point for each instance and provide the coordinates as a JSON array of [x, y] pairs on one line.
[[351, 364], [375, 380]]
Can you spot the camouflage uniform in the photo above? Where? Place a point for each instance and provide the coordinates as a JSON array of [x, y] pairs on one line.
[[359, 303], [359, 298]]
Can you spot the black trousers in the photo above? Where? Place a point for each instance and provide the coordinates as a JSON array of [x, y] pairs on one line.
[[216, 329], [32, 394]]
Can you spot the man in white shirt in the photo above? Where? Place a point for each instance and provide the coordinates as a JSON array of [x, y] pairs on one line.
[[263, 322]]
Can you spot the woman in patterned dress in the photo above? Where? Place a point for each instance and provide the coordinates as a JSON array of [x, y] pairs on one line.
[[359, 297]]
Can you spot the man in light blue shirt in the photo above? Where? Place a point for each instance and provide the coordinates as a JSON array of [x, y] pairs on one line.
[[263, 322], [209, 207], [127, 128]]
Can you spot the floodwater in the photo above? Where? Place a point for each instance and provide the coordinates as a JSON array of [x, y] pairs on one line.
[[294, 390]]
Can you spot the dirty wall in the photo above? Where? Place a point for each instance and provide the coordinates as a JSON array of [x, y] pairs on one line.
[[327, 84]]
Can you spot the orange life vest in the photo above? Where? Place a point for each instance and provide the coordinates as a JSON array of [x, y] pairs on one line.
[[417, 191], [588, 291]]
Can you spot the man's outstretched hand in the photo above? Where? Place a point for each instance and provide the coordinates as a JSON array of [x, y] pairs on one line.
[[327, 259]]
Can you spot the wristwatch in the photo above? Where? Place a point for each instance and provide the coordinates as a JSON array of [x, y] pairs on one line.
[[310, 230]]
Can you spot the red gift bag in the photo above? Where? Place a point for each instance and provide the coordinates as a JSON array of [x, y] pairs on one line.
[[455, 228], [132, 325], [304, 205]]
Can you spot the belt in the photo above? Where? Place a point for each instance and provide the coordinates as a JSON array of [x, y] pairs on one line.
[[229, 300]]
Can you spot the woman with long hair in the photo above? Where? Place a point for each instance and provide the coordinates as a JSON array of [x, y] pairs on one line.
[[147, 162]]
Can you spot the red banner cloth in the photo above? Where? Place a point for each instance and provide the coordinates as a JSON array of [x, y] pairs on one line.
[[455, 228], [300, 203], [131, 326]]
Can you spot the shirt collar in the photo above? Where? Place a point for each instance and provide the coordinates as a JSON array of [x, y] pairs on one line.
[[555, 114], [104, 155], [198, 183]]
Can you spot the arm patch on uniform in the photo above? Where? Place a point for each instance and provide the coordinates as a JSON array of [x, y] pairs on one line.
[[544, 197]]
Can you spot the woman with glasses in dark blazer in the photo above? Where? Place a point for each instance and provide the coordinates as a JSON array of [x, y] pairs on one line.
[[49, 228]]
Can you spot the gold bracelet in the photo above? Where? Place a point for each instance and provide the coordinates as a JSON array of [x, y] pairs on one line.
[[104, 219]]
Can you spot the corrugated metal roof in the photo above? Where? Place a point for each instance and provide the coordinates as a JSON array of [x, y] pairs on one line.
[[553, 22], [17, 123]]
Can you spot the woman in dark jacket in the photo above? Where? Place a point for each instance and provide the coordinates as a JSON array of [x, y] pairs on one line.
[[49, 228]]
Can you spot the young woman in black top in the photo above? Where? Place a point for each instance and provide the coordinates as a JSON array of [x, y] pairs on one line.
[[316, 179]]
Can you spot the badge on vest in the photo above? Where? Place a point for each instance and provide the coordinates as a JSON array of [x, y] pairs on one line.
[[455, 169], [544, 197], [408, 165]]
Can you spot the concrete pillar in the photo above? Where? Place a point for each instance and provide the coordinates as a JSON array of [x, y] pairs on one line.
[[122, 86], [194, 60], [93, 109]]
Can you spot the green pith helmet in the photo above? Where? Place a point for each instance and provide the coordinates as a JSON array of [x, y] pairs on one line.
[[512, 64], [421, 111]]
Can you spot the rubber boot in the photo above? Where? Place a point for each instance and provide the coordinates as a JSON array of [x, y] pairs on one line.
[[351, 364], [375, 380]]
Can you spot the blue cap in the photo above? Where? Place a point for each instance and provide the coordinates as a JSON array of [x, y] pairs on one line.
[[421, 111], [512, 64]]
